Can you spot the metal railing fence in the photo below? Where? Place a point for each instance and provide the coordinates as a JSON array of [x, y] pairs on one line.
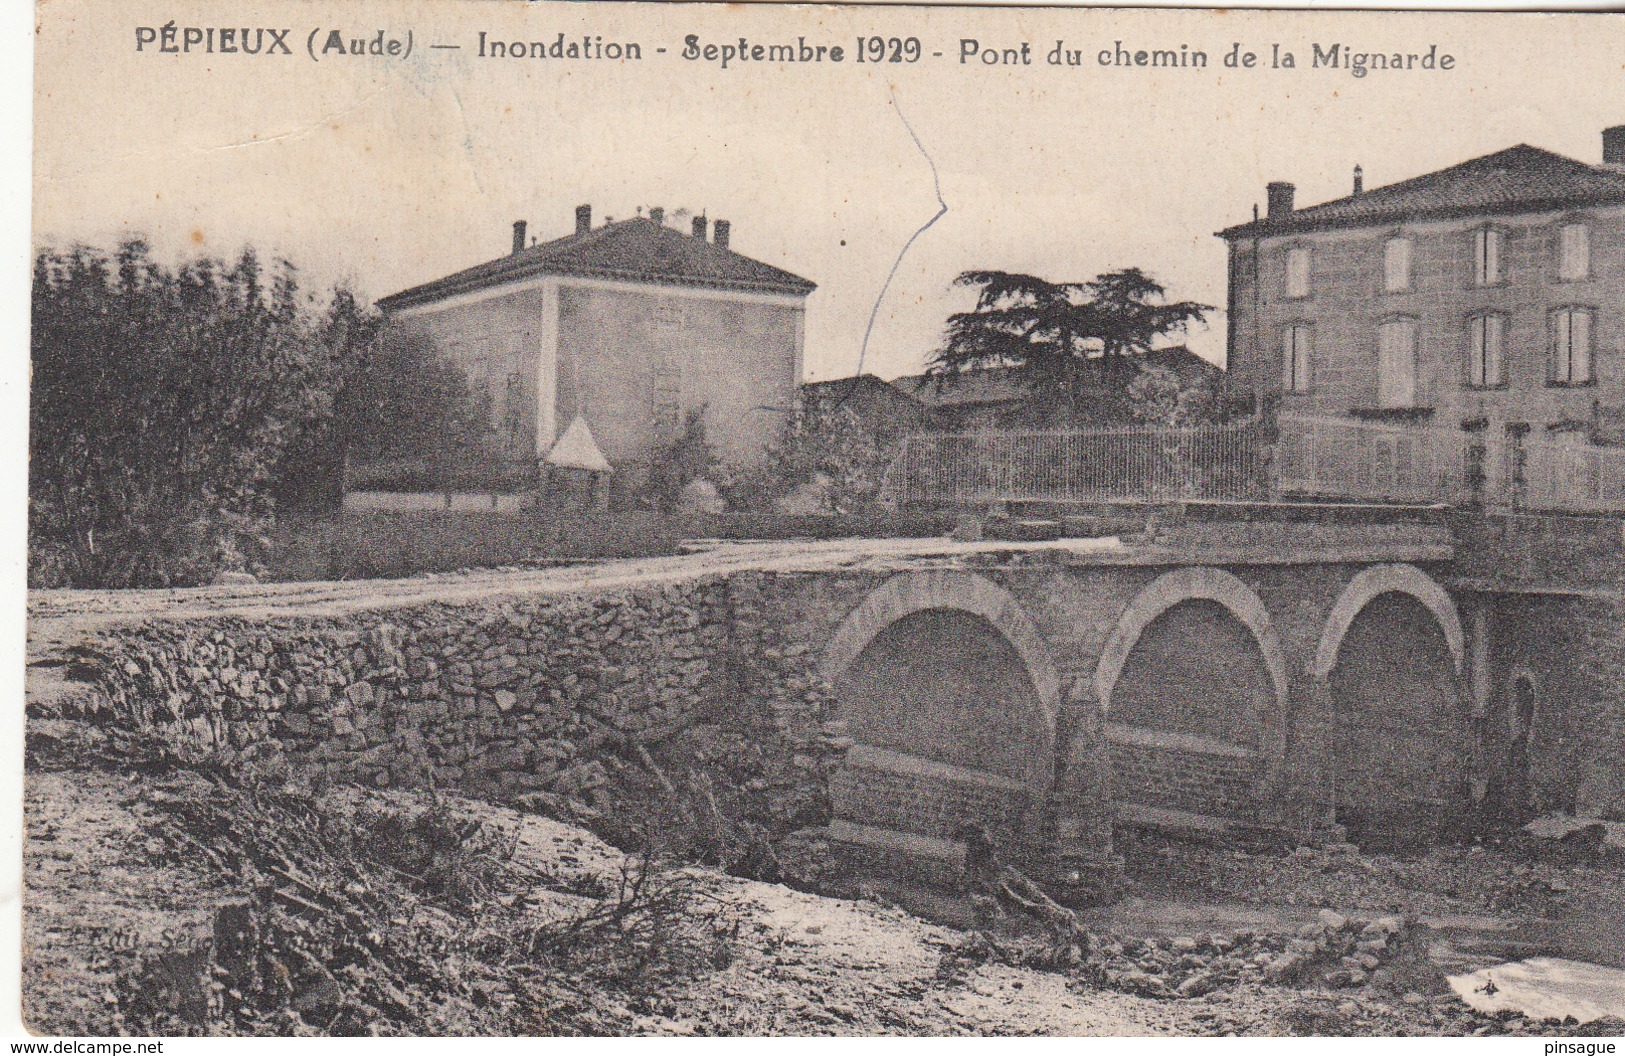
[[1330, 459], [1214, 463], [1339, 458]]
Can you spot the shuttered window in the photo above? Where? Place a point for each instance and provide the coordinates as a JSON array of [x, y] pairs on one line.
[[1396, 363], [1396, 265], [1569, 362], [1297, 272], [1574, 252], [1486, 256], [1297, 352], [1486, 355]]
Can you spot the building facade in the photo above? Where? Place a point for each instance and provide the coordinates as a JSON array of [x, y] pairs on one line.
[[630, 325], [1489, 296]]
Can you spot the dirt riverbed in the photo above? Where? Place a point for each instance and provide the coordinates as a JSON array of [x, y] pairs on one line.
[[117, 890]]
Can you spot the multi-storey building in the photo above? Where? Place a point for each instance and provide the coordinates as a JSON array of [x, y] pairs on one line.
[[629, 326], [1488, 296]]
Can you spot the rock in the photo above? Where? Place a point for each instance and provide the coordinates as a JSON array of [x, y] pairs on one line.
[[1183, 944], [1384, 926], [235, 579], [1141, 982], [1198, 984], [1332, 921], [1285, 968], [506, 699]]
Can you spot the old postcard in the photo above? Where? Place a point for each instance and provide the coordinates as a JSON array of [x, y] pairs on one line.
[[633, 519]]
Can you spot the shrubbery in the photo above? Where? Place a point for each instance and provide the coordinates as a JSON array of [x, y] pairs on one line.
[[826, 450], [174, 409]]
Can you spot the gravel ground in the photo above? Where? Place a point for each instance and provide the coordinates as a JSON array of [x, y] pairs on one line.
[[103, 891]]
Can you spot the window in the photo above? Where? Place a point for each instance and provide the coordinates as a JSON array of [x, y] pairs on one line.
[[1573, 252], [1396, 363], [1297, 348], [1396, 265], [1486, 256], [1297, 271], [1570, 357], [1486, 355]]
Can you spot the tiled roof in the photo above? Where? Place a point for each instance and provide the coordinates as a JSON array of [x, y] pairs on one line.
[[854, 386], [995, 385], [1518, 179], [966, 388], [636, 250]]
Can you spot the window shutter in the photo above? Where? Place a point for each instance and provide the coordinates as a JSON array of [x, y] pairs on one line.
[[1396, 265], [1574, 258], [1297, 272], [1487, 256], [1493, 349], [1580, 347], [1396, 364], [1487, 357], [1297, 346]]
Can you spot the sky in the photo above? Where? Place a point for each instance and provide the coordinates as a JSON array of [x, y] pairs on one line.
[[386, 172]]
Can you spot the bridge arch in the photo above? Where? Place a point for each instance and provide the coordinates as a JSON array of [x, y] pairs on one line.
[[951, 695], [966, 592], [1174, 588], [1387, 579], [1389, 663]]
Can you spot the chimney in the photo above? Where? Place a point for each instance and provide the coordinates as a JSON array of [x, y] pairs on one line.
[[657, 213], [1280, 200], [719, 233], [699, 228], [518, 235], [1359, 181], [1613, 145], [583, 219]]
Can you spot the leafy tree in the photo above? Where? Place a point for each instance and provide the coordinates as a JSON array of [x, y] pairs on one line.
[[825, 444], [686, 458], [175, 410], [399, 400], [1075, 343], [163, 402], [1157, 396]]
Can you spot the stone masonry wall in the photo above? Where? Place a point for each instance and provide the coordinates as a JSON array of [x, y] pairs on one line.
[[1573, 648], [498, 697], [1164, 776]]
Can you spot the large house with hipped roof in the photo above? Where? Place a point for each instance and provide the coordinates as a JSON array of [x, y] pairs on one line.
[[628, 326], [1488, 295]]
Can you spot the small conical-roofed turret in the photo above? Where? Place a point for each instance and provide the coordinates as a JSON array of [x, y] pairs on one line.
[[577, 449]]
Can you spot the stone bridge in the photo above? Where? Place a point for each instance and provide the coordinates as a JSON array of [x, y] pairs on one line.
[[1290, 681], [1048, 695]]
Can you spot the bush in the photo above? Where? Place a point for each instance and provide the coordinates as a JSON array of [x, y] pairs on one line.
[[827, 447], [367, 545], [687, 458], [164, 401]]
